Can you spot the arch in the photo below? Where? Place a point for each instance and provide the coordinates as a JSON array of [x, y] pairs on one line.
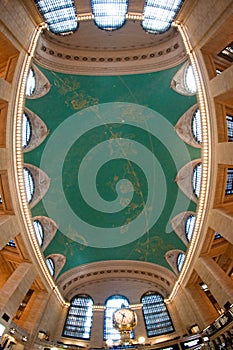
[[171, 256], [37, 84], [185, 179], [41, 183], [57, 262], [156, 316], [183, 80], [38, 128], [79, 318], [113, 303], [179, 224], [49, 228], [184, 128]]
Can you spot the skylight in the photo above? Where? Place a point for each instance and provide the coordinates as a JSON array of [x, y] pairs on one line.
[[109, 14], [158, 15], [60, 15]]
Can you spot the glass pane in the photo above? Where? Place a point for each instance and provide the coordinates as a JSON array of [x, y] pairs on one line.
[[31, 83], [60, 15], [109, 14], [39, 231], [26, 131], [79, 319], [158, 15], [29, 184], [229, 184], [50, 265], [197, 179], [189, 226], [190, 81], [196, 126], [180, 261], [229, 119], [156, 316], [112, 304]]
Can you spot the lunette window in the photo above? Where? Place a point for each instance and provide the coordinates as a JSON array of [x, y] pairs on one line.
[[79, 319], [39, 231], [180, 261], [197, 172], [26, 131], [189, 80], [29, 184], [31, 83], [51, 266], [112, 304], [189, 226], [196, 126], [156, 316], [109, 14]]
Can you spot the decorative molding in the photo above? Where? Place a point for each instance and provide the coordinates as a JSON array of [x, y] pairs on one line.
[[42, 84], [184, 179], [183, 127], [59, 261], [41, 183], [39, 130], [178, 225], [49, 228], [178, 81], [171, 257]]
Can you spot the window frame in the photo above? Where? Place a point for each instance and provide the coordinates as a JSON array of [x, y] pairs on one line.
[[150, 313]]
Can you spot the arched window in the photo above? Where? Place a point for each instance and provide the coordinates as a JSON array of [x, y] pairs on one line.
[[60, 15], [110, 14], [180, 261], [112, 304], [196, 126], [29, 184], [229, 184], [156, 316], [189, 226], [51, 266], [158, 15], [39, 231], [79, 319], [26, 131], [189, 80], [229, 120], [31, 83], [197, 171]]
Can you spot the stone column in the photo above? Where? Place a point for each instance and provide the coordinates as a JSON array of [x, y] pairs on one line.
[[219, 284], [15, 288], [97, 328], [222, 222]]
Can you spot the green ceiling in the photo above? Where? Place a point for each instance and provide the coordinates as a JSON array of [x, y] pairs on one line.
[[112, 155]]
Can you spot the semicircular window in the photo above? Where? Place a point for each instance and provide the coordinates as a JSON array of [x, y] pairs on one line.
[[29, 184], [159, 15], [79, 318], [196, 126], [109, 14], [197, 172], [189, 80], [51, 266], [26, 131], [180, 261], [156, 316], [113, 303], [189, 226], [39, 231], [31, 83]]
